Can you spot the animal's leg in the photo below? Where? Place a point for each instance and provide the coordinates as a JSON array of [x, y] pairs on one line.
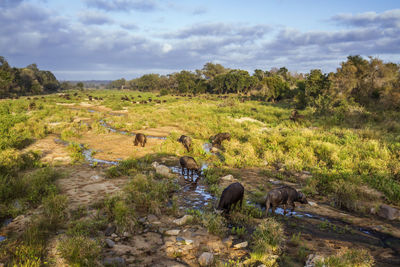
[[241, 203]]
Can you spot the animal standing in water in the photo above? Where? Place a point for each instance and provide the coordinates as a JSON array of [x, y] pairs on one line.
[[284, 195], [230, 197]]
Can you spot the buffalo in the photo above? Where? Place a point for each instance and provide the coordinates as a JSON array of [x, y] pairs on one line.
[[285, 196], [140, 139], [217, 139], [189, 164], [186, 141], [230, 197]]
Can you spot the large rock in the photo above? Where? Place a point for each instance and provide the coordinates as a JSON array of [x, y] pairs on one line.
[[206, 259], [183, 220], [228, 177], [162, 169], [388, 212], [117, 261]]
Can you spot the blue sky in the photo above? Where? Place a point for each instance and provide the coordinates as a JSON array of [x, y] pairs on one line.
[[110, 39]]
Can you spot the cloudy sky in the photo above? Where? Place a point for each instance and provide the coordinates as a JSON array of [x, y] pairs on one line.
[[110, 39]]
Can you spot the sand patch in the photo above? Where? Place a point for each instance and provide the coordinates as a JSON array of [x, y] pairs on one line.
[[51, 152]]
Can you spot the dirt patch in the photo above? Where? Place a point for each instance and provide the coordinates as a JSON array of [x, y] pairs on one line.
[[52, 152], [161, 131], [85, 185], [114, 147]]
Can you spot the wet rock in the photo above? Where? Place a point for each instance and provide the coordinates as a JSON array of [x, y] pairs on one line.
[[183, 220], [109, 243], [388, 212], [110, 230], [228, 177], [206, 259], [241, 245], [117, 261], [172, 232], [312, 259]]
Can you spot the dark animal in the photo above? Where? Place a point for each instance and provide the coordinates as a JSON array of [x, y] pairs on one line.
[[186, 141], [284, 195], [90, 98], [140, 139], [190, 164], [217, 139], [230, 197], [295, 116]]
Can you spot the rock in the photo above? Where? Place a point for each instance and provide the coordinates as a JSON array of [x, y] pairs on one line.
[[188, 241], [388, 212], [228, 177], [152, 218], [214, 150], [162, 169], [179, 239], [312, 259], [312, 203], [109, 243], [126, 234], [206, 259], [172, 232], [228, 241], [183, 220], [241, 245], [117, 261], [114, 235], [110, 230], [272, 181], [142, 220]]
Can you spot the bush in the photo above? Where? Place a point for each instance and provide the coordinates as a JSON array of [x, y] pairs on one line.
[[353, 257], [268, 237], [40, 184], [80, 250], [54, 209]]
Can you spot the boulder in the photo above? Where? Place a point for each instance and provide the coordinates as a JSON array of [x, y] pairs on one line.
[[183, 220], [172, 232], [109, 243], [241, 245], [206, 259], [162, 169], [388, 212], [228, 177]]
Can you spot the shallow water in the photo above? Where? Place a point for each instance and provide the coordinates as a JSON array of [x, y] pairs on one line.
[[5, 223], [111, 129]]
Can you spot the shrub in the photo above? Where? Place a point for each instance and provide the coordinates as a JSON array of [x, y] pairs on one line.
[[54, 209], [80, 250], [268, 237], [40, 184], [352, 257]]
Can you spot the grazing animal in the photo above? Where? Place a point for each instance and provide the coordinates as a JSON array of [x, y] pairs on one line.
[[284, 195], [140, 139], [186, 141], [217, 139], [230, 197], [295, 116], [189, 164]]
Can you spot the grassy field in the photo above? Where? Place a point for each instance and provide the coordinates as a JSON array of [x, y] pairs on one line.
[[348, 155]]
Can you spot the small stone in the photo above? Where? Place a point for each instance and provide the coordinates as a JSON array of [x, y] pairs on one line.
[[241, 245], [179, 239], [142, 220], [117, 239], [183, 220], [312, 203], [228, 177], [157, 223], [152, 218], [188, 241], [206, 259], [228, 241], [126, 234], [117, 261], [172, 232], [272, 181], [114, 235], [110, 243], [110, 230]]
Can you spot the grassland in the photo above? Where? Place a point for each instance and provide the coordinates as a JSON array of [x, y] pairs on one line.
[[346, 156]]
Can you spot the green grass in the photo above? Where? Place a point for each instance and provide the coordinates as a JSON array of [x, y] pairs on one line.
[[352, 257]]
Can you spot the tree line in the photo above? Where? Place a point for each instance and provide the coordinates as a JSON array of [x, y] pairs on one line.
[[368, 82], [25, 81]]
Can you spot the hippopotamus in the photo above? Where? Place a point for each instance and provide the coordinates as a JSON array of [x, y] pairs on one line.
[[186, 141], [284, 195], [140, 139]]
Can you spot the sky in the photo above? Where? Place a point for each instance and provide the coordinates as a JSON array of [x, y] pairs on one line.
[[112, 39]]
